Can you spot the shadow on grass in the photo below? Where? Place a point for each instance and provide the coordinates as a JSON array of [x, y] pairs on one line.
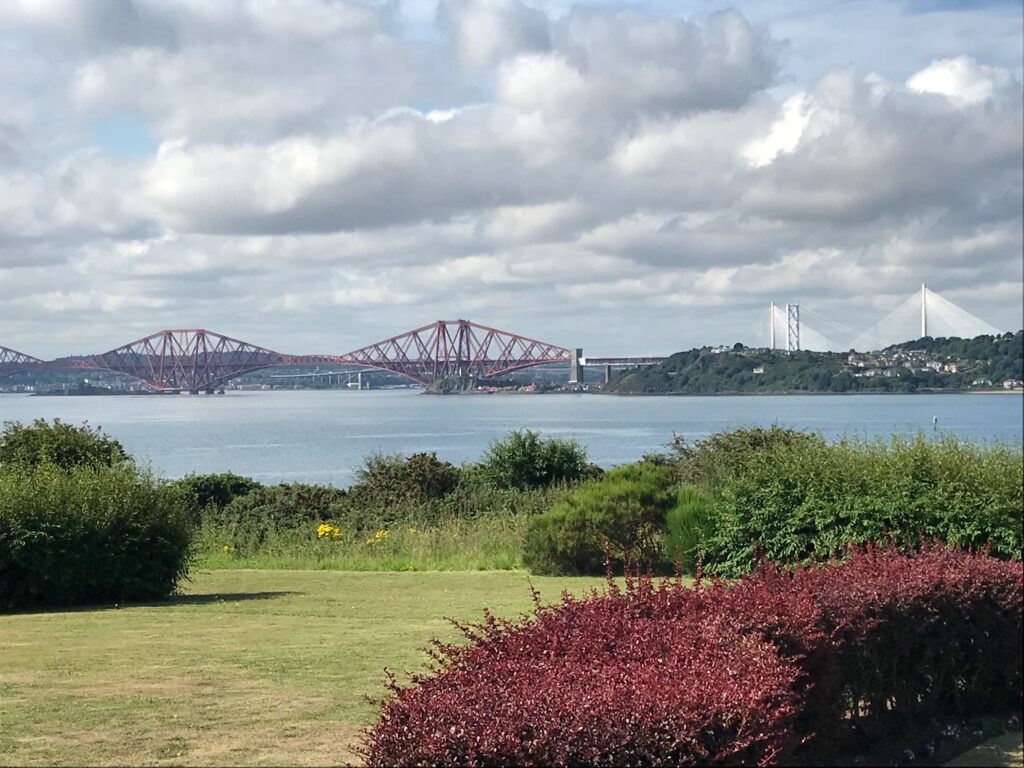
[[220, 597], [173, 600]]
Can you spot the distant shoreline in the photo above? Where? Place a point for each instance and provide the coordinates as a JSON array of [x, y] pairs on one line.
[[475, 393], [737, 394]]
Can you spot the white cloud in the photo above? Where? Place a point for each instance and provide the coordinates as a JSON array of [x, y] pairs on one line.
[[332, 172], [487, 31], [962, 80]]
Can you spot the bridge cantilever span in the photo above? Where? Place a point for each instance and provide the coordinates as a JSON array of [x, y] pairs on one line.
[[187, 359], [455, 349], [12, 361], [196, 360]]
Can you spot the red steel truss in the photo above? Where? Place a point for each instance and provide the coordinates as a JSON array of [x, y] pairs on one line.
[[12, 361], [455, 349], [185, 360], [197, 360]]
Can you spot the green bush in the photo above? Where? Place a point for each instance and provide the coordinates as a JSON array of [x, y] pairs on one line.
[[523, 459], [384, 481], [802, 501], [723, 455], [622, 513], [214, 491], [58, 443], [687, 525], [87, 535], [276, 507]]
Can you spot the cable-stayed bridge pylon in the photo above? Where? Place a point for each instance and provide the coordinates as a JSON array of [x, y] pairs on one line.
[[924, 313]]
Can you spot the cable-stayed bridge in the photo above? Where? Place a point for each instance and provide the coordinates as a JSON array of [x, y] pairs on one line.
[[923, 313], [197, 360]]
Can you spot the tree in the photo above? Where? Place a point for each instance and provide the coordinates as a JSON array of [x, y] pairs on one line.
[[525, 460], [62, 445]]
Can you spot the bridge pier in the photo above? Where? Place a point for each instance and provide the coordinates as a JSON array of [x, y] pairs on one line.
[[576, 368]]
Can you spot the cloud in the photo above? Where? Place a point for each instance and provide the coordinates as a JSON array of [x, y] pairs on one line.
[[962, 80], [329, 172], [858, 150], [487, 31]]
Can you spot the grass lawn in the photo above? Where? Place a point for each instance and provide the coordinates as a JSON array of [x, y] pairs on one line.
[[1005, 750], [248, 668]]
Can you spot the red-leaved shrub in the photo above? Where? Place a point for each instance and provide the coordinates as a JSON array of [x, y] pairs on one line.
[[781, 666]]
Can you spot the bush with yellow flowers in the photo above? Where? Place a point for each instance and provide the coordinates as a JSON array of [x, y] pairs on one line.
[[379, 537], [328, 532]]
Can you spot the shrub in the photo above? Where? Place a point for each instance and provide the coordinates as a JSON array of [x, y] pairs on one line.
[[801, 501], [276, 507], [724, 455], [687, 525], [214, 491], [889, 643], [385, 481], [622, 513], [526, 460], [89, 534], [610, 680], [61, 444], [251, 520], [782, 667]]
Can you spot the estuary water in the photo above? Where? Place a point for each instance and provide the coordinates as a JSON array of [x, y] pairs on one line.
[[321, 436]]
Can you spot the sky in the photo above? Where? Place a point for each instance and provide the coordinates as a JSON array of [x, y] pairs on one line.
[[631, 178]]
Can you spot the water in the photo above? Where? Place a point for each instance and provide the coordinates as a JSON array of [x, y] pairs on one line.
[[322, 436]]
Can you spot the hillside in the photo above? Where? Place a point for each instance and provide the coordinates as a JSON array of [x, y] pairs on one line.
[[927, 364]]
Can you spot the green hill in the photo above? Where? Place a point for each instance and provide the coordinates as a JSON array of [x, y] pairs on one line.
[[927, 364]]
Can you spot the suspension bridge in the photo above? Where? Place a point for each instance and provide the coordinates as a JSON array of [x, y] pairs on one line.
[[197, 360]]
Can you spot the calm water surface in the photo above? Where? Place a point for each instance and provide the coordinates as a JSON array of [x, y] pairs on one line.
[[322, 436]]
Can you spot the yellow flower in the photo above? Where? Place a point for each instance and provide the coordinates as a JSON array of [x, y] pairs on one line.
[[412, 530], [228, 548], [327, 531]]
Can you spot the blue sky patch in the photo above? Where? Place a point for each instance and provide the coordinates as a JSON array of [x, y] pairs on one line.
[[123, 135]]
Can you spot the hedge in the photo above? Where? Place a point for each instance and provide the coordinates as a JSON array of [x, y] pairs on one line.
[[89, 535], [814, 665], [800, 501]]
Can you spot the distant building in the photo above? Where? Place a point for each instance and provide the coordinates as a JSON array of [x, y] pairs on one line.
[[758, 370], [1013, 384]]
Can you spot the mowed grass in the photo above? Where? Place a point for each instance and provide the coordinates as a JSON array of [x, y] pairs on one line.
[[246, 668], [1006, 750]]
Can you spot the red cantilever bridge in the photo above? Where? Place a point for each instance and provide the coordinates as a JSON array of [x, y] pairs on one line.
[[201, 361]]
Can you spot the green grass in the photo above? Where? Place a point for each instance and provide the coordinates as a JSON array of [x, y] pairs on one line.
[[480, 544], [247, 668], [1006, 750]]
